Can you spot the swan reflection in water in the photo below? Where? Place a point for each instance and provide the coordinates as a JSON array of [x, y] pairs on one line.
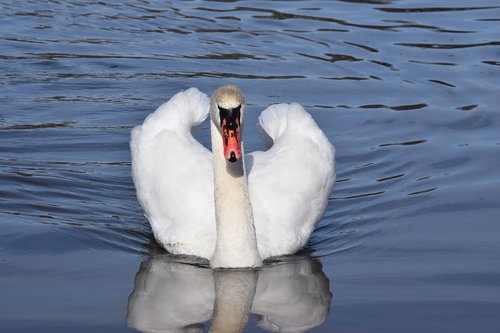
[[290, 295]]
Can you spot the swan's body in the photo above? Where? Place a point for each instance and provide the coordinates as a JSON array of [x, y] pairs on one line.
[[202, 204]]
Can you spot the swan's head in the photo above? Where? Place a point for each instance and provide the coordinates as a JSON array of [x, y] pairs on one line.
[[227, 108]]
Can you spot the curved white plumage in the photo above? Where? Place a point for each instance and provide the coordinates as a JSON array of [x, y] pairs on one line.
[[172, 173], [289, 184]]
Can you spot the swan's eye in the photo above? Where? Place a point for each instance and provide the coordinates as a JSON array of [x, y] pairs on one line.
[[222, 110], [223, 114]]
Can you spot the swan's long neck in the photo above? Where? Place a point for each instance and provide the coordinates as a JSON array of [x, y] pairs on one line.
[[236, 244]]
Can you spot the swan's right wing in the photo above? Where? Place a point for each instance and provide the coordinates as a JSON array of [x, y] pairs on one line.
[[290, 183], [172, 174]]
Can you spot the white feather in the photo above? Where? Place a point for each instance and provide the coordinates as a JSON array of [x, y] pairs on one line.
[[172, 173], [288, 185]]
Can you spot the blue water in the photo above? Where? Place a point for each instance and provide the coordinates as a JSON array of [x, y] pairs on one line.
[[407, 90]]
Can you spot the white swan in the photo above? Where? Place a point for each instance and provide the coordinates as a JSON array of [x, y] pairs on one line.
[[203, 204]]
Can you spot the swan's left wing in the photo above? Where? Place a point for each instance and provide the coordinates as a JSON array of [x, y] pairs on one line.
[[289, 183]]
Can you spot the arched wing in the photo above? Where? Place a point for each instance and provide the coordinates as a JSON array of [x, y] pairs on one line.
[[172, 174], [289, 183]]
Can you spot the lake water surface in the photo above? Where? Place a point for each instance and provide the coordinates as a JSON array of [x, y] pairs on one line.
[[407, 90]]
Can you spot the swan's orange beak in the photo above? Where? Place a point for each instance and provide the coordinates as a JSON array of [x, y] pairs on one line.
[[231, 140]]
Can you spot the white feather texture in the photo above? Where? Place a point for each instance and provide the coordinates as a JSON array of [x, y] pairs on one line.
[[288, 185]]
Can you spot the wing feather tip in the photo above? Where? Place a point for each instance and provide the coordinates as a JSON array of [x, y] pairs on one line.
[[189, 107]]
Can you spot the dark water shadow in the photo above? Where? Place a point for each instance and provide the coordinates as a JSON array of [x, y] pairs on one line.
[[289, 294]]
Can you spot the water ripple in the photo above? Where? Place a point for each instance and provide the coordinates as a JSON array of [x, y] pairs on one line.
[[449, 46], [432, 9], [395, 108], [76, 77]]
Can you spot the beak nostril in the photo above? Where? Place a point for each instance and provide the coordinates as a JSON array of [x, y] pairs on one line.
[[232, 158]]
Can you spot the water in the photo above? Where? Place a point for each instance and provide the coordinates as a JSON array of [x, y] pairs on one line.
[[407, 91]]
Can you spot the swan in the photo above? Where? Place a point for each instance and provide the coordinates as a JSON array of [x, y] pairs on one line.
[[233, 209]]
